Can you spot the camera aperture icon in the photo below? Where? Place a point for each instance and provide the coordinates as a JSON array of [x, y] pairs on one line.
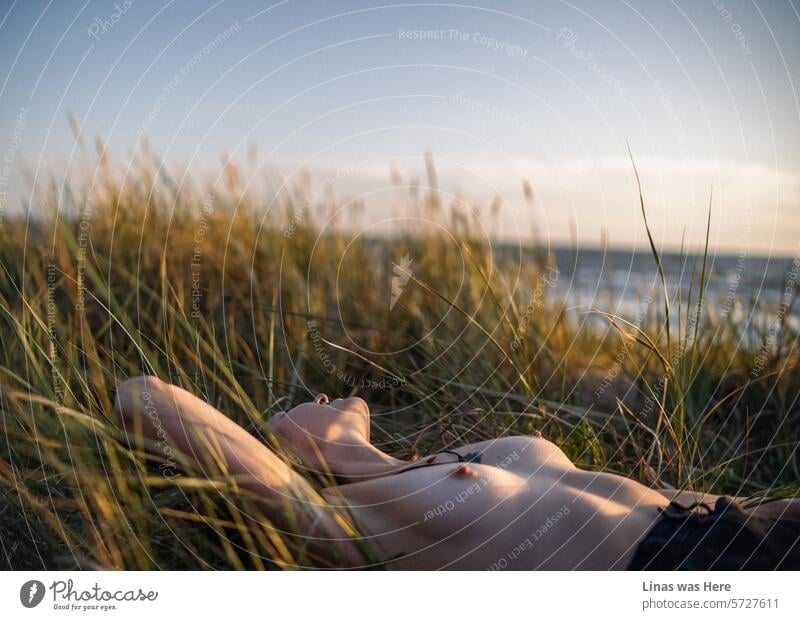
[[31, 593]]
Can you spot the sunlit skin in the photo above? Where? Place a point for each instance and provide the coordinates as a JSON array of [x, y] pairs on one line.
[[518, 503]]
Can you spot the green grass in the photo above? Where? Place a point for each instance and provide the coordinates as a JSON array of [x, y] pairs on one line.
[[479, 345]]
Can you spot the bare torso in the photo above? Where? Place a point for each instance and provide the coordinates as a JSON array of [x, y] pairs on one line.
[[518, 504]]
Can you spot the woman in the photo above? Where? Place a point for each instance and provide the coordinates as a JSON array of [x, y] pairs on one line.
[[511, 503]]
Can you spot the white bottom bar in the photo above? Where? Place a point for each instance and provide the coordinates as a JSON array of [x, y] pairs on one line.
[[379, 595]]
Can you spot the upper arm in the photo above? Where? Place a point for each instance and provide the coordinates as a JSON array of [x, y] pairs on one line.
[[173, 419], [210, 444]]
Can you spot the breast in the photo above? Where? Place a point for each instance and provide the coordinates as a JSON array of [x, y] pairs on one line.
[[525, 455]]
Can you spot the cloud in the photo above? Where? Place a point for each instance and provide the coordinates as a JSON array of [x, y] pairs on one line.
[[754, 206]]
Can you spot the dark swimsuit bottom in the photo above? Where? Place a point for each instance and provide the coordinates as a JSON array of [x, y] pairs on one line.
[[726, 538]]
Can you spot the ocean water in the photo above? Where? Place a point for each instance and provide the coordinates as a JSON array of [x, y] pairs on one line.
[[752, 290]]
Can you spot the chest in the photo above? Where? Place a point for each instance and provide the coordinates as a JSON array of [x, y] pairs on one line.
[[517, 454]]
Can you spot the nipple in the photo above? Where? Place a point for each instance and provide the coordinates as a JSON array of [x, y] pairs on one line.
[[463, 471]]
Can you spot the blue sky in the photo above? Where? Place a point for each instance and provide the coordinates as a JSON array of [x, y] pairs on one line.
[[705, 92]]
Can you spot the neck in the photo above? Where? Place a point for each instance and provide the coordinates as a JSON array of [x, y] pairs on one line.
[[365, 462]]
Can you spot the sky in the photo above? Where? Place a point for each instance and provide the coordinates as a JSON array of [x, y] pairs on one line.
[[551, 92]]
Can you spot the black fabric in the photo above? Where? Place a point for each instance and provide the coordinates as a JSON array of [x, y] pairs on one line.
[[726, 538]]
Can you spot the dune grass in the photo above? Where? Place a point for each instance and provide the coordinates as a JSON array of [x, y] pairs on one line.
[[246, 302]]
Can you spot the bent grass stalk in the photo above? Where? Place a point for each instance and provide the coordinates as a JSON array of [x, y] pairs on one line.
[[115, 299]]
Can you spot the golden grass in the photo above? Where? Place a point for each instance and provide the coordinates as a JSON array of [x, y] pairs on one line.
[[141, 273]]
